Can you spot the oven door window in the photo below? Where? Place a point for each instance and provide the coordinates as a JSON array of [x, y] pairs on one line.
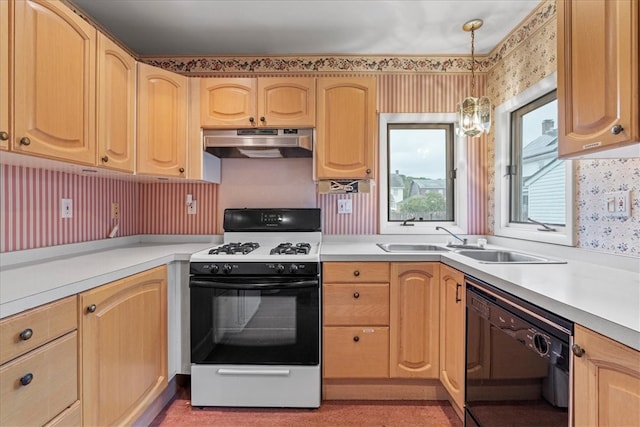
[[255, 323]]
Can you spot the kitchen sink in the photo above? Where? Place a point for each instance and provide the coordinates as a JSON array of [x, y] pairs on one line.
[[411, 247], [507, 257]]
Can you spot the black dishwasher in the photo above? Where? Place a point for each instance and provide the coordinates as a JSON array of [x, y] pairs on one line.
[[518, 361]]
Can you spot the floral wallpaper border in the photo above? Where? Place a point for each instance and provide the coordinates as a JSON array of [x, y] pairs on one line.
[[210, 65]]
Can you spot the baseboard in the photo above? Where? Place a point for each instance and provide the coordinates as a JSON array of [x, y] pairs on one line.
[[383, 389], [157, 405]]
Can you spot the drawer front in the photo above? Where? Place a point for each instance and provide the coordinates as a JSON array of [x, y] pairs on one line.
[[53, 387], [71, 417], [355, 272], [356, 352], [45, 323], [356, 304]]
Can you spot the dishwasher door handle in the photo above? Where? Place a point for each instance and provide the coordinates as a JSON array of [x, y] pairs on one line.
[[256, 372]]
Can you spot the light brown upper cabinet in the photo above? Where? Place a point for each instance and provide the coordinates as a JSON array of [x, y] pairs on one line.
[[55, 63], [116, 106], [346, 128], [162, 122], [598, 101], [5, 82], [258, 102]]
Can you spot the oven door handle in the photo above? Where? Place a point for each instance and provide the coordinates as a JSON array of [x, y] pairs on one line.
[[298, 284], [253, 372]]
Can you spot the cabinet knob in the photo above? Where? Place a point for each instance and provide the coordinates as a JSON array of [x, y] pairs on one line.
[[25, 141], [356, 273], [356, 338], [91, 308], [262, 119], [26, 380], [617, 129], [4, 136], [577, 350], [181, 170], [26, 334], [251, 119], [368, 171], [105, 159], [356, 295]]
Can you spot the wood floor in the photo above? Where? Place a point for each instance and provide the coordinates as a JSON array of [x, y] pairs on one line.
[[331, 413]]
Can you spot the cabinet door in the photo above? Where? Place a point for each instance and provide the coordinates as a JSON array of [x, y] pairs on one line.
[[55, 53], [5, 85], [452, 335], [124, 347], [287, 102], [228, 102], [597, 75], [346, 128], [414, 320], [162, 122], [116, 106], [606, 382]]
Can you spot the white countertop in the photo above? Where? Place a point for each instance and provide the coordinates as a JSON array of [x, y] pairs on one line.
[[598, 291]]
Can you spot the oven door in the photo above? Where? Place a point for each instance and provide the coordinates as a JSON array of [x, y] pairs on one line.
[[255, 321]]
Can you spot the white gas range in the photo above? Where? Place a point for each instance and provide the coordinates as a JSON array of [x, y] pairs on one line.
[[255, 312]]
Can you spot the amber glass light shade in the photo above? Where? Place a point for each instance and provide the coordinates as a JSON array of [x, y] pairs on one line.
[[474, 116]]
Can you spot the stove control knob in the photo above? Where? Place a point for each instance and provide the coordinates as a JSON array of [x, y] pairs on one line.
[[226, 268], [279, 268], [214, 268], [293, 268]]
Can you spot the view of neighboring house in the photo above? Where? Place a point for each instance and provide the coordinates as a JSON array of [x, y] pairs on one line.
[[543, 177], [396, 195], [420, 187]]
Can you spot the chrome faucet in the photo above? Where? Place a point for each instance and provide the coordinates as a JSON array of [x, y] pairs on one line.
[[463, 240]]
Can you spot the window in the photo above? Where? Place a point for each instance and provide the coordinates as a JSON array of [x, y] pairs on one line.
[[532, 184], [418, 173]]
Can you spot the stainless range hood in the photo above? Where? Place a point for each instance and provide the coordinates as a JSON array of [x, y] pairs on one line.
[[259, 143]]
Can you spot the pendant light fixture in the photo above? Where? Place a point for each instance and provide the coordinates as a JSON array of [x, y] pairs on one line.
[[474, 114]]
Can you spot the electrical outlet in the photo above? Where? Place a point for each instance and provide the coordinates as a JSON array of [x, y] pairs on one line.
[[66, 208], [191, 207], [345, 206], [115, 210], [616, 204]]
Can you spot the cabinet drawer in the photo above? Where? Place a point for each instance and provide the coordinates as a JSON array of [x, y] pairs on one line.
[[46, 323], [356, 352], [356, 304], [355, 272], [53, 387], [70, 417]]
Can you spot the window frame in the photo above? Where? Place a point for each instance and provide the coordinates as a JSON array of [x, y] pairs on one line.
[[459, 223], [503, 227]]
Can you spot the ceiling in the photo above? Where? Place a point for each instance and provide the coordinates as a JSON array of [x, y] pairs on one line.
[[339, 27]]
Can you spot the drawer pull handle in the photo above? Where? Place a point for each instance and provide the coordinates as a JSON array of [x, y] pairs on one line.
[[26, 334], [458, 286], [26, 380], [577, 350], [25, 141], [617, 130], [356, 273], [356, 338], [356, 295], [91, 308]]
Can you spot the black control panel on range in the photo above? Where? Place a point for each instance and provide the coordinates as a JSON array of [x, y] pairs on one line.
[[254, 268], [269, 220]]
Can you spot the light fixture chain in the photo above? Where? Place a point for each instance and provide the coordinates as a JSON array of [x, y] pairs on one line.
[[473, 64]]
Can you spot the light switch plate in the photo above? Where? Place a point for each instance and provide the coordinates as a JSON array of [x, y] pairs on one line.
[[616, 204]]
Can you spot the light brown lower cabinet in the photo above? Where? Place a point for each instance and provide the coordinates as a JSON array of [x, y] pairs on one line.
[[124, 347], [606, 381], [39, 366], [452, 333]]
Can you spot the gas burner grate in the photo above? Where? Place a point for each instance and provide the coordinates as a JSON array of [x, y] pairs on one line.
[[235, 248], [291, 249]]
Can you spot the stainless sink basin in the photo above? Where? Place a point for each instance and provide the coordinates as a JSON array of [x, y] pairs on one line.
[[507, 257], [411, 247]]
